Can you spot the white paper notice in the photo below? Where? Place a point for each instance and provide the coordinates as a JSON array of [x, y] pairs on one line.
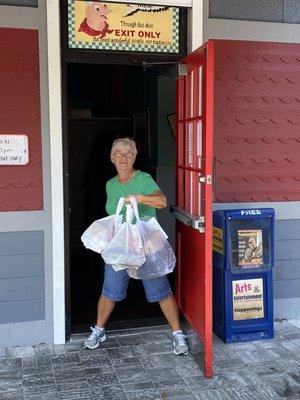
[[13, 150]]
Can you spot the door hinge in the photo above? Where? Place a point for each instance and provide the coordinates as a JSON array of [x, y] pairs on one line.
[[200, 224]]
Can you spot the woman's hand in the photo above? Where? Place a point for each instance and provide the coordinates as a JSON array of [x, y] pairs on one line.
[[156, 199], [137, 197]]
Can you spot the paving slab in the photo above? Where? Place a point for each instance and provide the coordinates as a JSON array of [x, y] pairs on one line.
[[138, 364]]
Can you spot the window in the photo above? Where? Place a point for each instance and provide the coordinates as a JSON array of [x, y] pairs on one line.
[[24, 3], [287, 11]]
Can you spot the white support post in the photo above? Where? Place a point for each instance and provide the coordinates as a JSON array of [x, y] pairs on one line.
[[195, 25], [57, 194]]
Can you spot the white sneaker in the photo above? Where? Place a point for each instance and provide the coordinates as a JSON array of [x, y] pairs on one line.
[[96, 337], [180, 345]]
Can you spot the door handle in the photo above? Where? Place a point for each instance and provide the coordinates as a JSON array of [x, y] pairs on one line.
[[185, 219], [188, 219]]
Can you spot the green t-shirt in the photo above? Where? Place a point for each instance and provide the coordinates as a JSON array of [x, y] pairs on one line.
[[140, 183]]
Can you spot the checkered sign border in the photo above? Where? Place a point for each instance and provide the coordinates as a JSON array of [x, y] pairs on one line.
[[155, 48]]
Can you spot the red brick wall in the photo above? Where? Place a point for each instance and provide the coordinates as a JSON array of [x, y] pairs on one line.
[[257, 121], [21, 187]]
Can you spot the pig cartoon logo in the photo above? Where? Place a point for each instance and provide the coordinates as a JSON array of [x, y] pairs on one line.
[[94, 23]]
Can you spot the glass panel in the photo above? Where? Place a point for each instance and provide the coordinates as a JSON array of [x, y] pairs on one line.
[[24, 3], [180, 145], [199, 143], [186, 144], [187, 200], [187, 96], [180, 186], [250, 243], [196, 92], [191, 192], [195, 192], [199, 199], [192, 95], [200, 92], [190, 144]]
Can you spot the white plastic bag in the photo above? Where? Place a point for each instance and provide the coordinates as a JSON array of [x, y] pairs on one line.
[[160, 257], [100, 232], [126, 248]]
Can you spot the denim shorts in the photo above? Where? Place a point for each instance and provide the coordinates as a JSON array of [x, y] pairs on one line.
[[116, 282]]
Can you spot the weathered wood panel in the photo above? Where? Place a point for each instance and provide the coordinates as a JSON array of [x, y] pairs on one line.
[[22, 277]]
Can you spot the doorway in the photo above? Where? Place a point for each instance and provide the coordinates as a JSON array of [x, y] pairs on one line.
[[105, 102]]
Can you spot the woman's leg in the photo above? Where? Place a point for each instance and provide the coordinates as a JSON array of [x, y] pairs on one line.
[[170, 311], [159, 290], [105, 308], [114, 289]]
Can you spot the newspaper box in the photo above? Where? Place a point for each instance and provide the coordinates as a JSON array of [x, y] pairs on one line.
[[243, 260]]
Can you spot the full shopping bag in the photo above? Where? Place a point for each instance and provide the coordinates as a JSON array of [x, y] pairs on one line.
[[160, 257], [100, 232], [126, 248]]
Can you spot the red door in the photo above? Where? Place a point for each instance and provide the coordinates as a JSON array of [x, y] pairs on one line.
[[193, 211]]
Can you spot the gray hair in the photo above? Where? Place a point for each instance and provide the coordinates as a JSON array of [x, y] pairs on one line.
[[121, 143]]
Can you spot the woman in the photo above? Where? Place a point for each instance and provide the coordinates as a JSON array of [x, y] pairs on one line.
[[130, 182]]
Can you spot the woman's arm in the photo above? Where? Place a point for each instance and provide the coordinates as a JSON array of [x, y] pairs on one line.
[[156, 199]]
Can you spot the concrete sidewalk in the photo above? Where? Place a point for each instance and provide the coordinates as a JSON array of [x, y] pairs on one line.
[[139, 364]]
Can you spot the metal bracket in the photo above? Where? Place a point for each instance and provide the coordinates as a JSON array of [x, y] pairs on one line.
[[188, 220], [199, 224], [205, 179], [182, 70], [201, 179]]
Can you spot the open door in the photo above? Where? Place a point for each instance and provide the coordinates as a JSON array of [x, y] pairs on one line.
[[193, 211]]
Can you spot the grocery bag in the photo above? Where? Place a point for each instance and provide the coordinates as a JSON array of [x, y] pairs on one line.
[[160, 257], [126, 247], [100, 232]]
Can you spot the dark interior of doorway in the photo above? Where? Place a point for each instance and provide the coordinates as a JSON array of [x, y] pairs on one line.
[[104, 102]]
